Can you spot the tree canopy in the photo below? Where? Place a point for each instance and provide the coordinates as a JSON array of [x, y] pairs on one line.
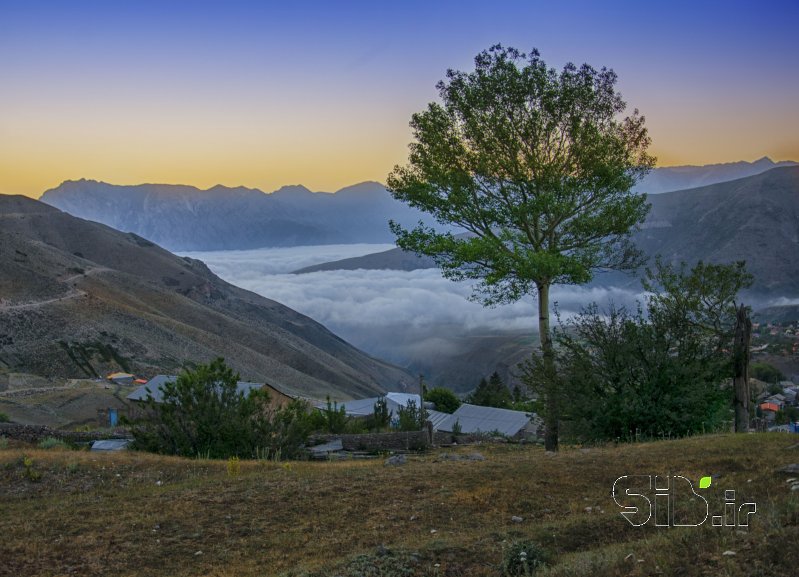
[[535, 166]]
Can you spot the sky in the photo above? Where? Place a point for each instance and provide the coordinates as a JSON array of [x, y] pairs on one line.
[[265, 94]]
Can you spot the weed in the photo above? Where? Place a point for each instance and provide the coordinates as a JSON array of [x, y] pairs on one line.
[[30, 473], [267, 454], [53, 443], [384, 563], [522, 558], [233, 467]]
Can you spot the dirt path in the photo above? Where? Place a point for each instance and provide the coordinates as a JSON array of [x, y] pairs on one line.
[[71, 294]]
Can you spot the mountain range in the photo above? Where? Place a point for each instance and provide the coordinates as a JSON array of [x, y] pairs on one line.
[[79, 299], [185, 218], [669, 178], [755, 219]]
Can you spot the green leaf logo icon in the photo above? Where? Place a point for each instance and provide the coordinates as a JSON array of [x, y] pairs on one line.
[[704, 482]]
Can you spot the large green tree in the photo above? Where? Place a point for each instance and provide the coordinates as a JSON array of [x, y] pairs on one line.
[[536, 167]]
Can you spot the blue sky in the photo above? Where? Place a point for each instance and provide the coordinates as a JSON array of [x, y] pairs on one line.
[[320, 93]]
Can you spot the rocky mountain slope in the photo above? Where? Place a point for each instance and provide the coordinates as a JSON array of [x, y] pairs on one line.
[[78, 299]]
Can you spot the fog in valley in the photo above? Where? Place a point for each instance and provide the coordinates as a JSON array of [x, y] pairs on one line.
[[411, 318]]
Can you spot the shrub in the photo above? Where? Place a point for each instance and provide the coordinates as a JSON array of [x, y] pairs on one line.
[[522, 558], [204, 413], [233, 467], [29, 472], [331, 419], [4, 418], [53, 443], [444, 399]]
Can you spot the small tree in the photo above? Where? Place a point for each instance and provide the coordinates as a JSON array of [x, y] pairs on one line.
[[410, 416], [491, 393], [334, 418], [444, 399], [381, 415], [536, 166]]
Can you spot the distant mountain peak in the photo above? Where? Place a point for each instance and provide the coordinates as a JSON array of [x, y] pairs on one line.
[[293, 189]]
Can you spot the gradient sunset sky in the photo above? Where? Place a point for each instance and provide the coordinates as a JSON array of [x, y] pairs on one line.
[[264, 94]]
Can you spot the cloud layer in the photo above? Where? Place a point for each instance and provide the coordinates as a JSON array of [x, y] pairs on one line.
[[397, 315]]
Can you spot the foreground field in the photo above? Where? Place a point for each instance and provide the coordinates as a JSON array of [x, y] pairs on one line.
[[69, 512]]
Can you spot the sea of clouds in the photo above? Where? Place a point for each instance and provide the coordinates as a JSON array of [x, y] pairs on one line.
[[396, 315]]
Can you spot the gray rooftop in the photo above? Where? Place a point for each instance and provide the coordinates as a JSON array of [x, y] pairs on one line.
[[155, 385], [111, 445], [437, 418], [365, 407], [476, 419]]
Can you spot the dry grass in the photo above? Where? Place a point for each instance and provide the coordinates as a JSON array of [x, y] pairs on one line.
[[139, 514]]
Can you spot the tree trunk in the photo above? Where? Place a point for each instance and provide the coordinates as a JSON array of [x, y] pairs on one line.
[[552, 410], [743, 334]]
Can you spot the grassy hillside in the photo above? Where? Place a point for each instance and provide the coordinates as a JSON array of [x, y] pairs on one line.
[[138, 514]]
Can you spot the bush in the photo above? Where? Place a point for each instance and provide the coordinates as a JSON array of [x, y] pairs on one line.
[[204, 413], [522, 558], [660, 371], [332, 419], [444, 399], [4, 418], [53, 443]]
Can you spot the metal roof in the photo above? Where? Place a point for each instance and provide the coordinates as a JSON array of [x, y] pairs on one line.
[[365, 407], [476, 419], [110, 445], [437, 418], [155, 387]]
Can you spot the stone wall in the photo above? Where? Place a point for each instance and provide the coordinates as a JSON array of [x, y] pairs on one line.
[[398, 441], [443, 438], [36, 433]]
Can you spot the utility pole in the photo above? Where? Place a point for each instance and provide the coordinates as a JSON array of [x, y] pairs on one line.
[[740, 381], [421, 401]]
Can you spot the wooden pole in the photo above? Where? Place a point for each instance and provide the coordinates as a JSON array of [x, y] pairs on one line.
[[743, 336]]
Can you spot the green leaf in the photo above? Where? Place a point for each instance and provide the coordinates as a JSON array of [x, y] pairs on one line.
[[704, 482]]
